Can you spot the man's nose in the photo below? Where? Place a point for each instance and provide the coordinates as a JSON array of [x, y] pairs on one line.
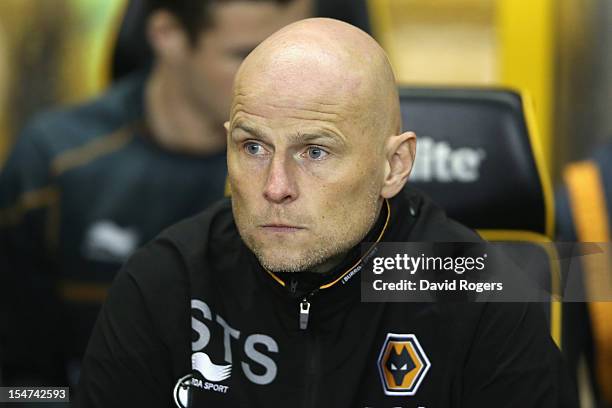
[[280, 186]]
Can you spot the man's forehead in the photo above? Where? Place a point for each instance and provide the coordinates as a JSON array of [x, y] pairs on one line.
[[298, 70], [312, 94], [298, 106], [323, 66]]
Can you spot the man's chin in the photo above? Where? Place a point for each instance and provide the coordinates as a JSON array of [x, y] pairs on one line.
[[295, 255], [283, 265], [286, 261], [316, 260]]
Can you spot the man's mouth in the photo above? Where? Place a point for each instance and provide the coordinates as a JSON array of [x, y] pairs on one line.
[[281, 228]]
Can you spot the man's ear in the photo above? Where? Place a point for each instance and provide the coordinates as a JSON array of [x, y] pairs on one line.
[[167, 37], [400, 154], [226, 126]]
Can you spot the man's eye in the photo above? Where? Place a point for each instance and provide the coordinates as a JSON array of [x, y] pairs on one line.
[[254, 149], [316, 153]]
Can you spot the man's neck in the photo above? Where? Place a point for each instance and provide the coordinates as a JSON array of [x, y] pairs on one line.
[[329, 264], [176, 123]]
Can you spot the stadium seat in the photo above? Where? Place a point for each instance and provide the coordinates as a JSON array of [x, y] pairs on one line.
[[583, 204], [479, 157], [130, 51]]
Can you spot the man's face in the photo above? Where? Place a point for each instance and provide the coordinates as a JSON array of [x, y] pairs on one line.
[[305, 170], [237, 28]]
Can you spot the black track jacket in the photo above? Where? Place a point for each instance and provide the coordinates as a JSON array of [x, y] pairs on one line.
[[193, 320]]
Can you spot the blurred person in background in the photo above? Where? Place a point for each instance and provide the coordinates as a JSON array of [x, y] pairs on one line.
[[85, 186]]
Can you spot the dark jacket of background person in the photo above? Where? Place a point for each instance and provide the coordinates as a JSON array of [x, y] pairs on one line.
[[83, 188]]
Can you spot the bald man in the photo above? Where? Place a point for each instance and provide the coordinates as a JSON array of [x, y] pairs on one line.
[[256, 301]]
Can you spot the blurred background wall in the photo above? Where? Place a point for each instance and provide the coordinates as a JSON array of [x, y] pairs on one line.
[[52, 52], [602, 49]]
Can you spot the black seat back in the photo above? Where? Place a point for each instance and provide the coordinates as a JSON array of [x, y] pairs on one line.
[[479, 157]]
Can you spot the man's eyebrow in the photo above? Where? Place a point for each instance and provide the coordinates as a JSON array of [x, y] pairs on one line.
[[249, 129], [300, 137], [311, 136]]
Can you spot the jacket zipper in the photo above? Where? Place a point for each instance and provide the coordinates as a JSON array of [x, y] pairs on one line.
[[304, 313], [305, 309], [313, 367]]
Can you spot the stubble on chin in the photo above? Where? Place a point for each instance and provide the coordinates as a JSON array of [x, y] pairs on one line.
[[281, 258], [278, 260]]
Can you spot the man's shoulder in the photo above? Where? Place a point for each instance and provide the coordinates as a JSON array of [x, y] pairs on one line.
[[58, 131], [193, 241], [432, 223], [194, 236]]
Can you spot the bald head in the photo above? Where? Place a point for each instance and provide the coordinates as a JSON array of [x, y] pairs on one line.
[[314, 144], [326, 61]]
